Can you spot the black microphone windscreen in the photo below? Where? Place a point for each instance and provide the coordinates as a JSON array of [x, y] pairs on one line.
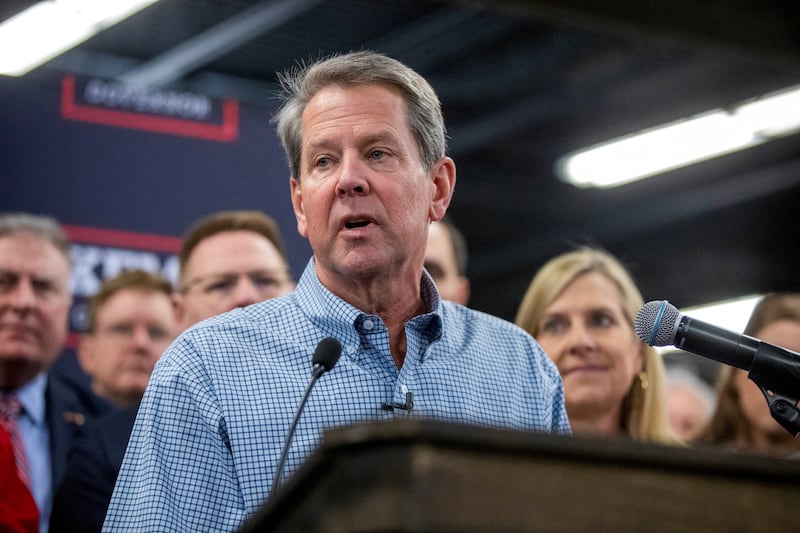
[[327, 353], [655, 323]]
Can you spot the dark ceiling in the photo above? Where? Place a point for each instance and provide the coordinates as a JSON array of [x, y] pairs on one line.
[[523, 83]]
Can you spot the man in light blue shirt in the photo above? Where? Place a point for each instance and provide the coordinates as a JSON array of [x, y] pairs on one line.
[[365, 140]]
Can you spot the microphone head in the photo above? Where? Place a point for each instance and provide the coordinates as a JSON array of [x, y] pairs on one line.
[[655, 323], [327, 353]]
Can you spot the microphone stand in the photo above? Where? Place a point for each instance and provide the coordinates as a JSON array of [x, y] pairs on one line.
[[317, 371], [782, 408], [781, 376]]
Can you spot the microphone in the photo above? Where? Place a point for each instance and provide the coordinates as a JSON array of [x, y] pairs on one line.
[[325, 357], [771, 367], [659, 323]]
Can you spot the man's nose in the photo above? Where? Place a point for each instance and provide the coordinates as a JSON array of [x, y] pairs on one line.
[[141, 336], [246, 293], [352, 176], [23, 296]]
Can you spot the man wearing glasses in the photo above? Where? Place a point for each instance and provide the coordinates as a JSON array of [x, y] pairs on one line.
[[230, 259], [131, 321]]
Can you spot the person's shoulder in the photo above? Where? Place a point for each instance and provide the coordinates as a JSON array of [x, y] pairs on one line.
[[230, 332], [63, 394], [116, 419], [110, 431]]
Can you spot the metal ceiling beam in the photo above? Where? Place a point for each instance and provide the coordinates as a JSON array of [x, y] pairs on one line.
[[430, 39], [761, 29], [215, 42]]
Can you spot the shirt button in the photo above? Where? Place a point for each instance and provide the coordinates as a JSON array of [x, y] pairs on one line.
[[351, 349], [368, 324]]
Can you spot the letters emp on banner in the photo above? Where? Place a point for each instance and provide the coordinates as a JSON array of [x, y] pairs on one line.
[[98, 254]]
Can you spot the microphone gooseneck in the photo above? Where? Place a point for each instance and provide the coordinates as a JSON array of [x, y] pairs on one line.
[[326, 355]]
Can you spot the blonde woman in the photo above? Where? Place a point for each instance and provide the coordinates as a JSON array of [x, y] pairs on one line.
[[581, 306]]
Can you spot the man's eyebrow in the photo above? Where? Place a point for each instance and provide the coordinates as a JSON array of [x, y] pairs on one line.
[[377, 137], [319, 143], [37, 278], [325, 142]]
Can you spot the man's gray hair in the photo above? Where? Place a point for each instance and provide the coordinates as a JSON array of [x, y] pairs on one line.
[[42, 226], [301, 83]]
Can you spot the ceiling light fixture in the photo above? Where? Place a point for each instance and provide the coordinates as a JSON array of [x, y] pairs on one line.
[[49, 28], [683, 142]]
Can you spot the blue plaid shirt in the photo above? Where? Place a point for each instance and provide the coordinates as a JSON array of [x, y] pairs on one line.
[[215, 415]]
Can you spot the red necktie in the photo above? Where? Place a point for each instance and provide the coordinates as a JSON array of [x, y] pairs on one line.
[[10, 409]]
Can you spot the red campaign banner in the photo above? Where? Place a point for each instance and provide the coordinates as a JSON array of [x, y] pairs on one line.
[[123, 239], [98, 253], [72, 109]]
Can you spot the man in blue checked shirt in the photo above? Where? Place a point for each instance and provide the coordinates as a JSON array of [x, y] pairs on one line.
[[365, 139]]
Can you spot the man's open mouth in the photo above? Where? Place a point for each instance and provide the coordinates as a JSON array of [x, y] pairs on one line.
[[356, 224]]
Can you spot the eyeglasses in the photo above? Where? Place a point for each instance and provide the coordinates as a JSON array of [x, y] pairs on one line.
[[222, 285], [126, 330]]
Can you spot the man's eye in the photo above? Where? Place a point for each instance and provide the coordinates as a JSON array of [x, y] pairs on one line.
[[6, 283], [157, 334], [264, 281], [375, 155], [121, 329], [323, 162], [221, 285], [43, 286]]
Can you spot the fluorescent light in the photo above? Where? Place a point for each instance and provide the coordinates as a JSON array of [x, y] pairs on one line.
[[683, 142], [49, 28], [729, 314], [732, 315]]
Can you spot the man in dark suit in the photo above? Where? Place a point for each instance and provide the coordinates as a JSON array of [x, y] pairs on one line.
[[82, 500], [34, 304], [130, 322]]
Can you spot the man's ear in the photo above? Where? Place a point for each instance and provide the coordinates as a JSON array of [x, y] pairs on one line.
[[179, 309], [463, 290], [443, 176], [297, 206]]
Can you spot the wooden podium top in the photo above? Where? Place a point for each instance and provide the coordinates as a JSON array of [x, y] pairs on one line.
[[423, 475]]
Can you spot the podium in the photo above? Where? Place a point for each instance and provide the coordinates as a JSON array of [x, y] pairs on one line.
[[418, 475]]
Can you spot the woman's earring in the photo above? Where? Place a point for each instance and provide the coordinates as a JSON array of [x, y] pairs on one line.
[[643, 382]]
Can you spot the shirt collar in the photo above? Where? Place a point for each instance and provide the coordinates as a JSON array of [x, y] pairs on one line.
[[31, 396], [332, 313], [430, 294]]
